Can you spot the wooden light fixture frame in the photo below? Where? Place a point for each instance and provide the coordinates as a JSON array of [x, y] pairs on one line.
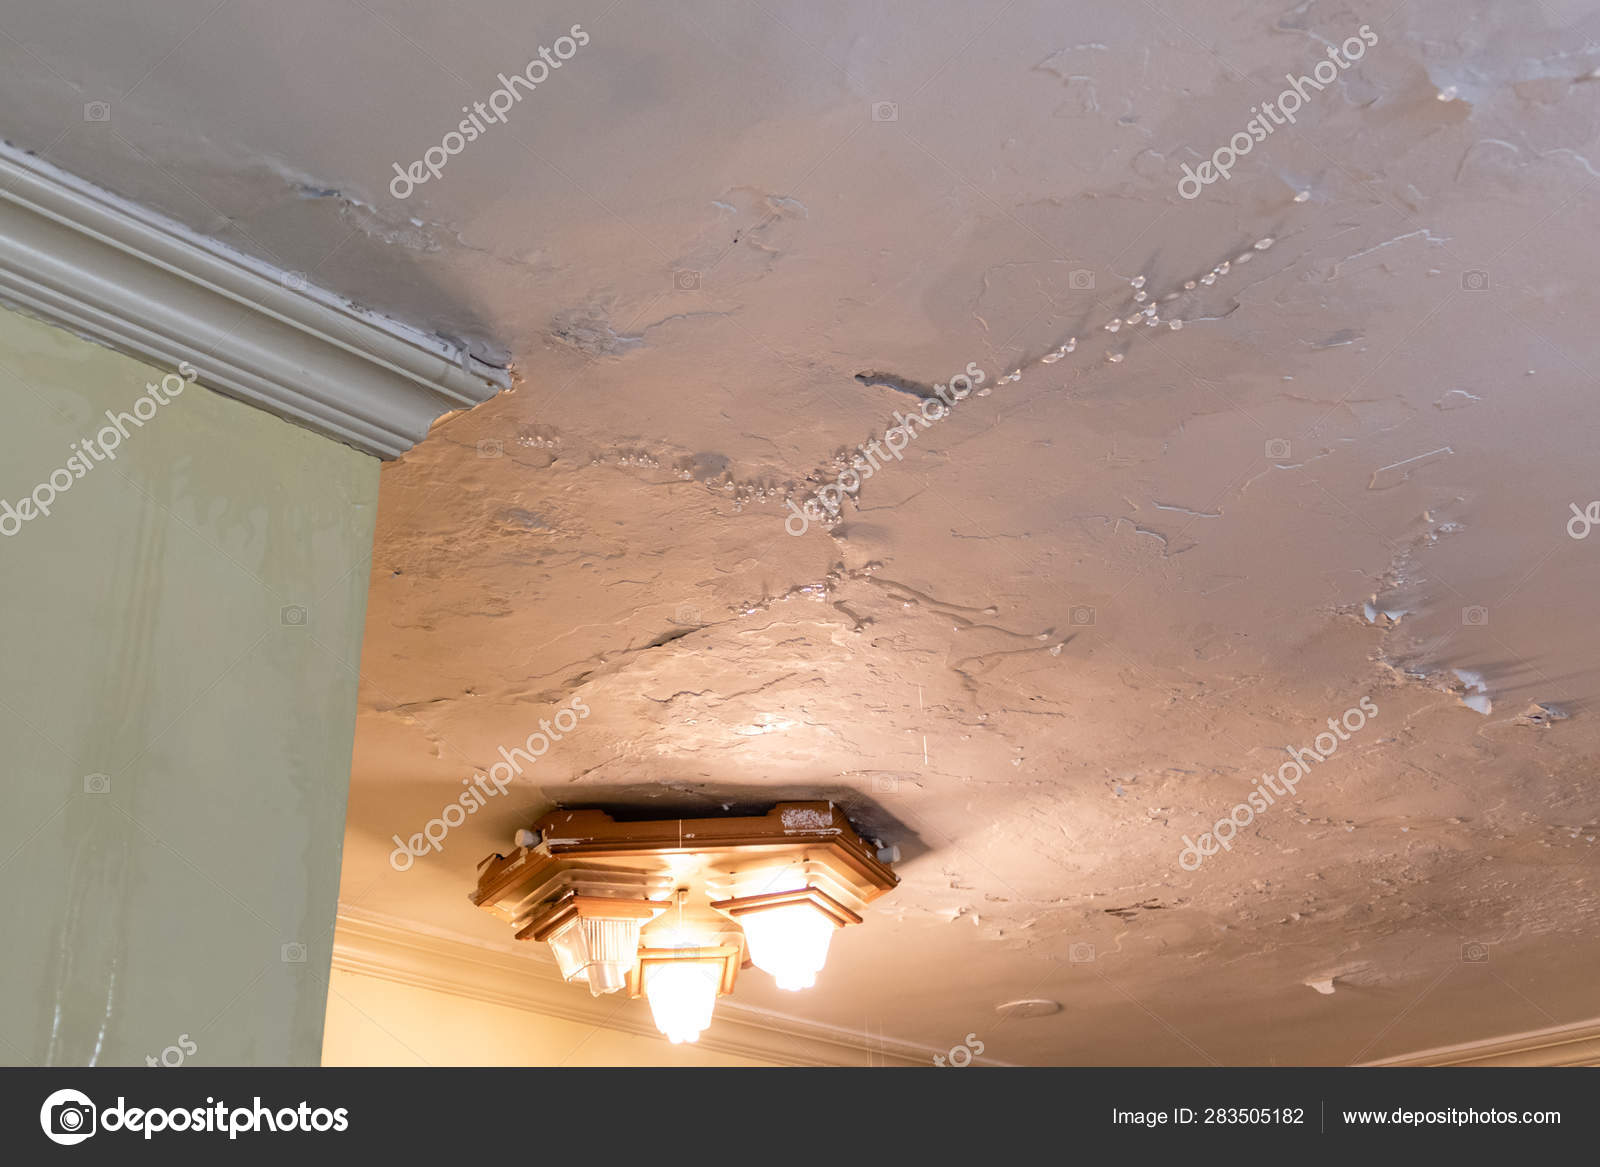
[[650, 865], [730, 958]]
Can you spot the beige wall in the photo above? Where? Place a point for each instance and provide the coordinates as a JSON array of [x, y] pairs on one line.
[[143, 637], [377, 1022]]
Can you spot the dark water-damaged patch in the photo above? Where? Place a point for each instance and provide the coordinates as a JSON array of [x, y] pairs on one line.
[[521, 519], [899, 384], [1133, 910], [707, 466], [1342, 337], [589, 330]]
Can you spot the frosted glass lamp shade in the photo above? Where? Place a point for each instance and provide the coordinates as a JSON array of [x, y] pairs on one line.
[[682, 995], [597, 950], [790, 942]]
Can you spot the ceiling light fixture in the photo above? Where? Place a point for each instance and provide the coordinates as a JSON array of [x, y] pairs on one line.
[[769, 890]]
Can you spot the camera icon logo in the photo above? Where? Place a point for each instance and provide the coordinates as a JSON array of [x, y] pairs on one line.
[[97, 784], [295, 281], [1081, 280], [293, 616], [885, 111], [1474, 952], [1475, 616], [67, 1117], [293, 953], [884, 783], [1277, 449], [687, 614], [491, 448], [1081, 953], [1081, 616], [97, 111], [685, 280], [1475, 281]]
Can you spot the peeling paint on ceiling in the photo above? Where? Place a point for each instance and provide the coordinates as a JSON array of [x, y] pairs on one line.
[[731, 244]]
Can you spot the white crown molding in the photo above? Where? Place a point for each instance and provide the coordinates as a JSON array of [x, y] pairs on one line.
[[111, 271], [376, 946], [1562, 1045]]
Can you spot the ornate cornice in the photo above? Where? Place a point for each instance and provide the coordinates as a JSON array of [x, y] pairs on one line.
[[83, 259]]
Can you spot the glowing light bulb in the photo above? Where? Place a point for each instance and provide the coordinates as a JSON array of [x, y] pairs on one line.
[[790, 942], [682, 995]]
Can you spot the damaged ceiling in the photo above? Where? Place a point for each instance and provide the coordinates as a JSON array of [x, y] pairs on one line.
[[729, 241]]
